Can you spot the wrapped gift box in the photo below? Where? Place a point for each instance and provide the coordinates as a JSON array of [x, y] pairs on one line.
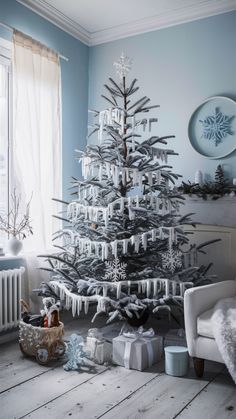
[[99, 349], [137, 353]]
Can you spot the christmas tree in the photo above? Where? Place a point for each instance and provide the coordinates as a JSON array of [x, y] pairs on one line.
[[222, 183], [124, 244]]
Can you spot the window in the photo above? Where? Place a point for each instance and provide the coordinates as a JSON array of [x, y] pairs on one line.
[[36, 139], [5, 127], [30, 141]]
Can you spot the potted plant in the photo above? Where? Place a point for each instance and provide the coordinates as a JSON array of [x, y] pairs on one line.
[[17, 226]]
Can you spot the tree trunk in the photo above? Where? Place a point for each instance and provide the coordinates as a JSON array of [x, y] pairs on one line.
[[135, 322]]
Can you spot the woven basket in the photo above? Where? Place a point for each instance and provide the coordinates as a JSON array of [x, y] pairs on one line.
[[42, 342]]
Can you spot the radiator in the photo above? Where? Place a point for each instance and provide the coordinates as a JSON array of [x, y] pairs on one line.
[[10, 295]]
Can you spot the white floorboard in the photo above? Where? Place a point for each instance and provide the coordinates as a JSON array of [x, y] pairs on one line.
[[100, 393], [15, 368], [28, 390], [217, 401], [38, 391]]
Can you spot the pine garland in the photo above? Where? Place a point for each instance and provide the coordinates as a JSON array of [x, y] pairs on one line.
[[213, 189]]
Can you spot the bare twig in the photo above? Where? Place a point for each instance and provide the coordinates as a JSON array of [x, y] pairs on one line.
[[11, 224]]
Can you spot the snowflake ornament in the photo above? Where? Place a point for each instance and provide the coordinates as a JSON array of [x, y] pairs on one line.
[[171, 260], [216, 127], [115, 270], [75, 353], [123, 66]]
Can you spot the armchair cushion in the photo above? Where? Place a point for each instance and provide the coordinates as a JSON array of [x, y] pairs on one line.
[[198, 300], [204, 324]]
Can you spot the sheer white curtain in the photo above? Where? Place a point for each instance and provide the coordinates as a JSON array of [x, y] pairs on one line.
[[37, 135], [3, 145]]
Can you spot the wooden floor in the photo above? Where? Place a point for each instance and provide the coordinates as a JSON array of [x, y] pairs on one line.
[[28, 390]]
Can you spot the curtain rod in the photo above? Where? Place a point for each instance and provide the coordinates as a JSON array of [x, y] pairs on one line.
[[11, 28]]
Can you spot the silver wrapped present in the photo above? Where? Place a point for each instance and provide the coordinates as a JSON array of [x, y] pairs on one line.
[[137, 350]]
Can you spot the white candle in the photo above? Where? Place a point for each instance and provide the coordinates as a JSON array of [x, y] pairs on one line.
[[198, 178]]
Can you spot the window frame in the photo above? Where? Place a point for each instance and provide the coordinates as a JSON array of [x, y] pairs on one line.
[[6, 60]]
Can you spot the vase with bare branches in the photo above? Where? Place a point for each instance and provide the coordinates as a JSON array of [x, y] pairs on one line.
[[15, 225]]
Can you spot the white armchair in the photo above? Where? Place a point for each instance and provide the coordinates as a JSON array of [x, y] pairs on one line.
[[198, 309]]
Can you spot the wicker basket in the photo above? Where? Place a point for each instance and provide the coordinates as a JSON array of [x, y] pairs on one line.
[[43, 343]]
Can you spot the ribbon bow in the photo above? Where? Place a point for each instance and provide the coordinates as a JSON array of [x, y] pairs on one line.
[[140, 333]]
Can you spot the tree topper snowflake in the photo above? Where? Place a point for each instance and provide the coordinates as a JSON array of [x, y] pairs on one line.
[[115, 270], [171, 260], [217, 126], [123, 65]]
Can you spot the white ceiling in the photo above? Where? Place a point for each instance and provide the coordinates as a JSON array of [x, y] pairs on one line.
[[97, 15], [98, 21]]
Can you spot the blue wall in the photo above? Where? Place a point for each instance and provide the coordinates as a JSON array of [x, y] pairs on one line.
[[178, 68], [74, 78]]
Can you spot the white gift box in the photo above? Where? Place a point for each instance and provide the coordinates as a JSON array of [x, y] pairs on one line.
[[137, 353], [99, 349]]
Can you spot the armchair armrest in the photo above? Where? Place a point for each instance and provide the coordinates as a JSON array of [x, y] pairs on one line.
[[199, 299]]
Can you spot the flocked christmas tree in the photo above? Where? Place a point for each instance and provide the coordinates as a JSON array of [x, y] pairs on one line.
[[124, 245]]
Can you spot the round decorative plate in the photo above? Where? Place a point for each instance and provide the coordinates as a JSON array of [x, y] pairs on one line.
[[212, 127]]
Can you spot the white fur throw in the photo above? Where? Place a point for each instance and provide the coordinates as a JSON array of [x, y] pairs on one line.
[[224, 330]]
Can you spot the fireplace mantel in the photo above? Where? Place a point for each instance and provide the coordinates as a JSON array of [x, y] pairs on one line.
[[220, 212]]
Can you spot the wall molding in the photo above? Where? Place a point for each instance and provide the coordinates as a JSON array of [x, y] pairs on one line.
[[178, 16], [221, 254], [57, 18], [219, 212]]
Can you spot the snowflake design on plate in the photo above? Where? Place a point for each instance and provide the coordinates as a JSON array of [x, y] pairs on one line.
[[123, 65], [217, 126], [115, 270], [171, 260]]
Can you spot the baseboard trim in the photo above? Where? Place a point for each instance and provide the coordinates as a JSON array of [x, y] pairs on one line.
[[9, 336]]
